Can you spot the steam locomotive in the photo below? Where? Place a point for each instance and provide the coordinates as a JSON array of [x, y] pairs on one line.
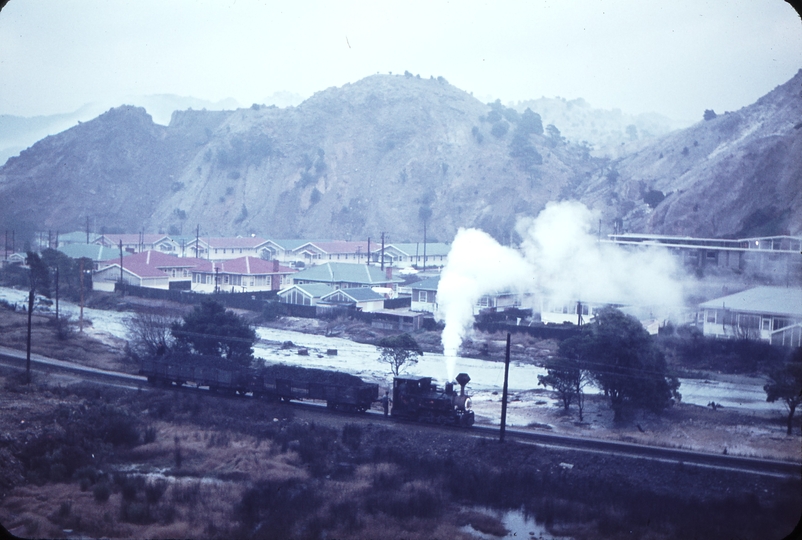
[[421, 400], [413, 399]]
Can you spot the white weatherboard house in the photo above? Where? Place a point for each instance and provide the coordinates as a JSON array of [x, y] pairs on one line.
[[346, 275], [362, 298], [244, 274], [772, 314], [424, 295]]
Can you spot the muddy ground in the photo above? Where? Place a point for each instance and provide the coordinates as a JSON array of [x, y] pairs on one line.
[[182, 464], [85, 460]]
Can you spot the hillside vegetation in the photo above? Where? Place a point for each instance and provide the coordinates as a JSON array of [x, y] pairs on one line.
[[382, 153]]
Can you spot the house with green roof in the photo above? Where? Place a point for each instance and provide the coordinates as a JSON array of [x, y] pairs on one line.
[[772, 314], [361, 298], [347, 276], [424, 294], [403, 255], [304, 295]]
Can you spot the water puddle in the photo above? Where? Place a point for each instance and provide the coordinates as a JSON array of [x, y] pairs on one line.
[[518, 523]]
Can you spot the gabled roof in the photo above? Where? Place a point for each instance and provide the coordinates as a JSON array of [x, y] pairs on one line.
[[244, 266], [230, 242], [429, 284], [411, 249], [292, 244], [761, 300], [341, 247], [137, 268], [95, 252], [315, 290], [357, 294], [156, 259], [128, 239], [333, 272]]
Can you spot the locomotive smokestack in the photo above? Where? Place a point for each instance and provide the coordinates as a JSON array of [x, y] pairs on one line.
[[463, 379]]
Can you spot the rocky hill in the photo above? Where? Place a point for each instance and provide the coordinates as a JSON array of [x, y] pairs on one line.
[[735, 174], [388, 151]]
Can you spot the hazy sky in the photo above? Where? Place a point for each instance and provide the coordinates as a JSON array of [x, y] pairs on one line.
[[675, 57]]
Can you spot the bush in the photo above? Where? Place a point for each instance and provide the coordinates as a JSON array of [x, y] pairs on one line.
[[499, 129], [101, 492], [154, 491], [352, 436]]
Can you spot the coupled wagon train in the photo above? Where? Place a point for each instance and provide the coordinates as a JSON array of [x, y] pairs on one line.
[[413, 399]]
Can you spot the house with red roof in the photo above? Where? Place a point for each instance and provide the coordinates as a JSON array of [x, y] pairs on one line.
[[244, 274], [146, 269], [227, 247], [321, 252]]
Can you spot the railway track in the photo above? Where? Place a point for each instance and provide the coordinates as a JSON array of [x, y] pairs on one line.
[[16, 359]]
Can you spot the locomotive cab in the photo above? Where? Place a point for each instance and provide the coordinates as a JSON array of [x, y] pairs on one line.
[[420, 399]]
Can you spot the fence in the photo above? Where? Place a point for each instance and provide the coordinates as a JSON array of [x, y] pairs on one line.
[[252, 301], [542, 332]]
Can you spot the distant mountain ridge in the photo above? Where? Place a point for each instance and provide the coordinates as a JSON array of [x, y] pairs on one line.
[[382, 154]]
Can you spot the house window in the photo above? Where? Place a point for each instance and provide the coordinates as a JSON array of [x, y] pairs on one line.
[[422, 296], [766, 323], [711, 315]]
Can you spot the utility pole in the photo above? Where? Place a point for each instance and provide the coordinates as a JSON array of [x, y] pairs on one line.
[[368, 250], [216, 279], [87, 228], [382, 250], [122, 291], [504, 391], [57, 293], [197, 241], [424, 245], [81, 317]]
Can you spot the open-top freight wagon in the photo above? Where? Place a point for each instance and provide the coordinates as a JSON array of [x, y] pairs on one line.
[[278, 382]]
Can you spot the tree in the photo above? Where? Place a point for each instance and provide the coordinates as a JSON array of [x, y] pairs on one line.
[[39, 279], [530, 123], [786, 385], [625, 363], [710, 114], [399, 352], [150, 334], [562, 376], [211, 330]]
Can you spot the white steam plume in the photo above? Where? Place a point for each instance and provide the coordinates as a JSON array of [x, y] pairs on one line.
[[476, 265], [560, 261]]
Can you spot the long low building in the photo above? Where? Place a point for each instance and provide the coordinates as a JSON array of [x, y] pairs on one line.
[[772, 314]]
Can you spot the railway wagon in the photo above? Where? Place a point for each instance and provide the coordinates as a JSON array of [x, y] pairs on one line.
[[220, 375]]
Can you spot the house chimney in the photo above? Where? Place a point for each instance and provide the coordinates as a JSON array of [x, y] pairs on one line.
[[275, 265], [389, 272]]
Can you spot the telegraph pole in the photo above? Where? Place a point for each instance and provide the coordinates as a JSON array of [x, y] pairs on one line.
[[81, 317], [122, 292], [504, 391], [87, 228], [368, 250], [382, 251]]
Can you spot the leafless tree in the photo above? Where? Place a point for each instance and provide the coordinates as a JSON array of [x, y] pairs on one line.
[[149, 334]]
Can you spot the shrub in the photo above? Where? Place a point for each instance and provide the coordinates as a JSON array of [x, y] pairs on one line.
[[352, 436], [101, 492], [154, 491], [149, 435], [499, 129]]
